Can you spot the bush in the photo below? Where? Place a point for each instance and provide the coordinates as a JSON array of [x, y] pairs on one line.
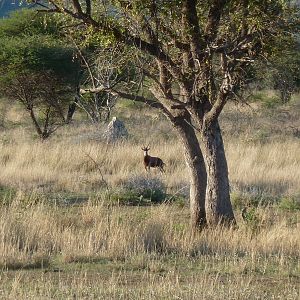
[[252, 219], [147, 187], [289, 203], [240, 200]]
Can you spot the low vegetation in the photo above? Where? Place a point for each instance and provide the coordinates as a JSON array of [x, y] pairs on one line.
[[82, 219], [97, 250]]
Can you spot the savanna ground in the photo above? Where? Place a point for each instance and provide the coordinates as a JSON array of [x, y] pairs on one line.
[[81, 219]]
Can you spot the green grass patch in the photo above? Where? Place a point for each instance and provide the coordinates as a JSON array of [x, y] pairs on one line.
[[289, 203]]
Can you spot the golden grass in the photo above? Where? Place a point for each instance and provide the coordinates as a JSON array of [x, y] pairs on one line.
[[94, 230], [64, 165], [139, 252], [272, 168], [103, 251], [79, 285]]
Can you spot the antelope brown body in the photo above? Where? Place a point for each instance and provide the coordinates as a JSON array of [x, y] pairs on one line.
[[152, 161]]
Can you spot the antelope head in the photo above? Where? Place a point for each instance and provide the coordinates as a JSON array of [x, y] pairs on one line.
[[146, 149]]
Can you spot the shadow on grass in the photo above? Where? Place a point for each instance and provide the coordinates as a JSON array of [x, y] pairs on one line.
[[37, 263]]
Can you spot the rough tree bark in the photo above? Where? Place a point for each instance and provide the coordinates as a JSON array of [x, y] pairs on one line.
[[35, 122], [73, 106], [195, 163], [217, 201]]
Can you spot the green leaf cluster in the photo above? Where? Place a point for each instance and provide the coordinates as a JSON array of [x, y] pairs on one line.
[[30, 42]]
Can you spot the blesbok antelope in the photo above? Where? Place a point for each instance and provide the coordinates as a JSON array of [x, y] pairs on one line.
[[152, 161]]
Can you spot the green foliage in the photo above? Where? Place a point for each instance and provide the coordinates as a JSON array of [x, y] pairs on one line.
[[29, 42], [281, 73], [37, 68], [93, 38], [23, 23], [251, 219], [289, 203]]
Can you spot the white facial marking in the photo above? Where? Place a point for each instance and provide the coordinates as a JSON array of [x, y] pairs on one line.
[[145, 153]]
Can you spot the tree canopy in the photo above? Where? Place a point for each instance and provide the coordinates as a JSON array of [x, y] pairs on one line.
[[31, 42]]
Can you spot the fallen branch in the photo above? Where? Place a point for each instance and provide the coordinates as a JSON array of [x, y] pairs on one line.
[[99, 169]]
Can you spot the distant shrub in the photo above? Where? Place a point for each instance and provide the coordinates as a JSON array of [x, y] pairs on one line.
[[7, 194], [252, 219], [134, 190], [289, 203], [151, 188], [240, 200]]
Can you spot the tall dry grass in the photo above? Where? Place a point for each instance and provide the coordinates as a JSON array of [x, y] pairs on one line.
[[142, 252], [123, 232], [80, 285], [267, 165], [66, 164], [104, 251]]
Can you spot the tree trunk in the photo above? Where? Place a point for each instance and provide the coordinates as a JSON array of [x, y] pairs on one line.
[[72, 106], [217, 201], [71, 111], [35, 123], [195, 163]]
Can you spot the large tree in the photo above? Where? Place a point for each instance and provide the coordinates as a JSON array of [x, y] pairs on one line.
[[195, 54]]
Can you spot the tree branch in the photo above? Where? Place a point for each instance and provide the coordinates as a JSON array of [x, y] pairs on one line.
[[125, 37], [213, 20], [88, 10], [224, 91], [190, 18], [77, 7], [150, 102]]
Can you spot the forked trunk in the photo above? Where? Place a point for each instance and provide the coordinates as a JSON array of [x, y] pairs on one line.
[[195, 163], [217, 201], [35, 123]]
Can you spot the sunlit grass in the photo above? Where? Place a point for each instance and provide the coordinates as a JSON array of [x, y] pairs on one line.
[[66, 232], [143, 252], [61, 165]]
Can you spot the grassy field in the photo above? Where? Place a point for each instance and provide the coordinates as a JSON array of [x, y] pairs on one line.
[[81, 219]]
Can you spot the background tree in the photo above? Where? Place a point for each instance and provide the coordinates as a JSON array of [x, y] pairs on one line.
[[196, 53], [104, 69], [283, 74], [37, 69]]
